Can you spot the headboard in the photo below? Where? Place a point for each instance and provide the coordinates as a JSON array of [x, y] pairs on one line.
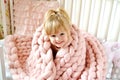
[[98, 17]]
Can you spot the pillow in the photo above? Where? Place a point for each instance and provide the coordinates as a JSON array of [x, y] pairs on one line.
[[113, 55], [110, 55]]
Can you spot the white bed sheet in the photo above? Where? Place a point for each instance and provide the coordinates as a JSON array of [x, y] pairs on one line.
[[4, 71]]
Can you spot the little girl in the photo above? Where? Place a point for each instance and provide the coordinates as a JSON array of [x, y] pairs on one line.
[[57, 26], [76, 55]]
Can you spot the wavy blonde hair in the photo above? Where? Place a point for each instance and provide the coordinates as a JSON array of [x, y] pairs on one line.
[[55, 20]]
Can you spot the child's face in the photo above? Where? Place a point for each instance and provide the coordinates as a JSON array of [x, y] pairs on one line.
[[59, 39]]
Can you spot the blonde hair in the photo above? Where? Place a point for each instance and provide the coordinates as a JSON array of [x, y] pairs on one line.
[[55, 20]]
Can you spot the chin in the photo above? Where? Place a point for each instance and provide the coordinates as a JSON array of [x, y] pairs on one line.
[[60, 45]]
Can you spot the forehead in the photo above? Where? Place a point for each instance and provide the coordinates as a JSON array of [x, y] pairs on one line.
[[59, 30]]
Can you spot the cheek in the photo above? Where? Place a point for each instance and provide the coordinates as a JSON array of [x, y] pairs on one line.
[[52, 40], [65, 38]]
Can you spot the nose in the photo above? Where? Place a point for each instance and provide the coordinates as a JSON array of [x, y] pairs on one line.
[[57, 38]]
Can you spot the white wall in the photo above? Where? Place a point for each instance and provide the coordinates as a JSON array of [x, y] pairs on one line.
[[98, 17]]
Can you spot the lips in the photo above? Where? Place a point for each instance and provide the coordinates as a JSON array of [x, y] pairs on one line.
[[59, 42]]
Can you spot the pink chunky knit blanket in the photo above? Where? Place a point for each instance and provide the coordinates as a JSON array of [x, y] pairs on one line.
[[83, 58]]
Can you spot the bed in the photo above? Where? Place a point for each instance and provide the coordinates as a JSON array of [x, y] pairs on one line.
[[99, 18]]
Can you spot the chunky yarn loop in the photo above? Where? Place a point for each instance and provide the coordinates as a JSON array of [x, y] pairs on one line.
[[83, 58]]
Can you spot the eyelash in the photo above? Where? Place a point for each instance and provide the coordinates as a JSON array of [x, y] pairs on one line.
[[62, 34], [55, 35]]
